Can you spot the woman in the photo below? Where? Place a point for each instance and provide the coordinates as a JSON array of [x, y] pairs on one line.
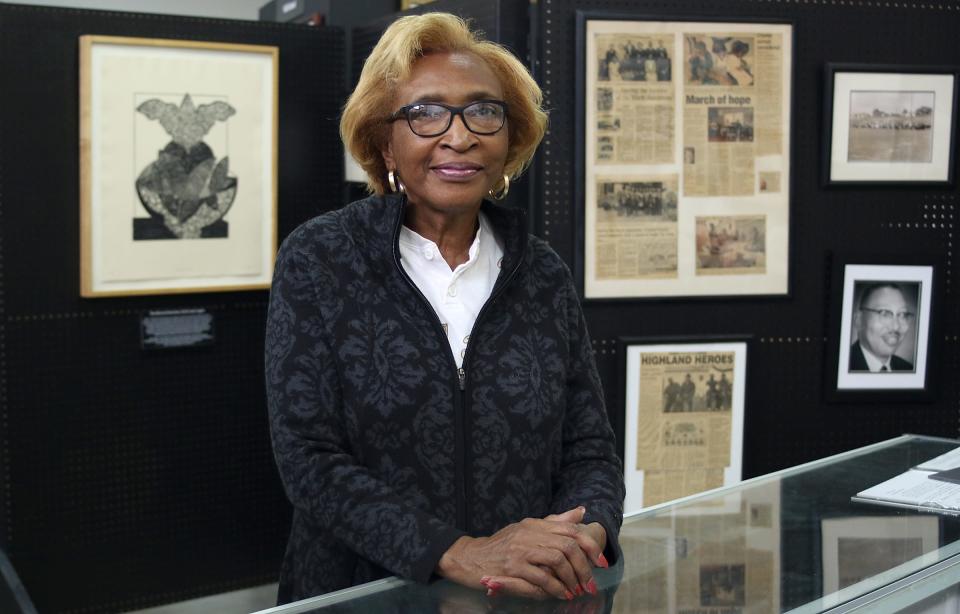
[[434, 404]]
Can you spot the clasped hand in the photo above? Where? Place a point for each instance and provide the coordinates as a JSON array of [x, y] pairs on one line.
[[538, 558]]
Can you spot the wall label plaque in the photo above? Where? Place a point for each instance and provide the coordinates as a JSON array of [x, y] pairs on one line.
[[176, 328]]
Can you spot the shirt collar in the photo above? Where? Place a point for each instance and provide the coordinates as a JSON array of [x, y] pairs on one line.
[[423, 246], [874, 363]]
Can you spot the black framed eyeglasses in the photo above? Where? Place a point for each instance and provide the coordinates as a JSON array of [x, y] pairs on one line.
[[428, 119]]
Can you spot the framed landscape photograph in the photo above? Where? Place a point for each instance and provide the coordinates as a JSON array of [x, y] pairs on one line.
[[884, 324], [683, 145], [178, 154], [890, 124], [683, 407]]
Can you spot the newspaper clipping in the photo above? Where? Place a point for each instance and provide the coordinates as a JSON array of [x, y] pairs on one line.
[[702, 109], [684, 422], [728, 113], [731, 245], [636, 221], [635, 98], [703, 563], [722, 573]]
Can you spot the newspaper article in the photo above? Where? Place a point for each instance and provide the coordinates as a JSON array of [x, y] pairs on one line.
[[660, 486], [648, 555], [732, 109], [636, 227], [684, 413], [721, 573], [635, 99], [697, 560], [731, 244], [705, 107]]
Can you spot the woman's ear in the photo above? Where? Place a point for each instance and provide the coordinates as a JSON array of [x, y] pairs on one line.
[[387, 152]]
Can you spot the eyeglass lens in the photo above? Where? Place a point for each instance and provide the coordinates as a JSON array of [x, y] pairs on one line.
[[888, 316], [435, 119]]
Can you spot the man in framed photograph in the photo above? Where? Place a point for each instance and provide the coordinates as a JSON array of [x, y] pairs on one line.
[[883, 320]]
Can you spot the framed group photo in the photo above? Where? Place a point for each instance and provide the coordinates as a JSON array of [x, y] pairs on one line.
[[683, 413], [883, 339], [683, 145], [889, 125], [178, 154]]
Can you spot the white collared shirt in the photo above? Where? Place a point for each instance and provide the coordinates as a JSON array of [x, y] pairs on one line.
[[873, 362], [458, 295]]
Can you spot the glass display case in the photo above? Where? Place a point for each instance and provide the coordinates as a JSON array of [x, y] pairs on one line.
[[791, 541]]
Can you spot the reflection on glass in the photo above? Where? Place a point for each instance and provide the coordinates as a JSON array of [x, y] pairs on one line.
[[711, 555]]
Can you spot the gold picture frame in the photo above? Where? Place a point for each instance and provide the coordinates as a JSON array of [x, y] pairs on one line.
[[178, 166]]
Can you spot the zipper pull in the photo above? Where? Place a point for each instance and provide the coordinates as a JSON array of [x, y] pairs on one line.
[[463, 377]]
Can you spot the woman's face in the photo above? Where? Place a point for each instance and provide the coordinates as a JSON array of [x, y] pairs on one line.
[[451, 172]]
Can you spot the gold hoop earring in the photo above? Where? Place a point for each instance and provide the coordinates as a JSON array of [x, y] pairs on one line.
[[500, 195], [395, 184]]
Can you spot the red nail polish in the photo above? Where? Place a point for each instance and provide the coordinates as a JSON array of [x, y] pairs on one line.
[[579, 590], [592, 587], [603, 561], [568, 595]]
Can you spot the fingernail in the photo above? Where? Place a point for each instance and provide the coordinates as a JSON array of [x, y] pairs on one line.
[[603, 561], [592, 587], [579, 590], [491, 592], [568, 595]]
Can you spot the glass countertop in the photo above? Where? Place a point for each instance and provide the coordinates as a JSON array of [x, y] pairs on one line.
[[790, 541]]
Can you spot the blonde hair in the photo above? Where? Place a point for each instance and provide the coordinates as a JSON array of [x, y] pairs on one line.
[[363, 125]]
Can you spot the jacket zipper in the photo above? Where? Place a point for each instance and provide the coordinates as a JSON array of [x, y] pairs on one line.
[[461, 379], [462, 372], [460, 399]]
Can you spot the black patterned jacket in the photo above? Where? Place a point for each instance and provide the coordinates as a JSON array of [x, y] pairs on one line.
[[387, 452]]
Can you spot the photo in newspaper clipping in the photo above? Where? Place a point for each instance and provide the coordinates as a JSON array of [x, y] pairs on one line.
[[731, 245]]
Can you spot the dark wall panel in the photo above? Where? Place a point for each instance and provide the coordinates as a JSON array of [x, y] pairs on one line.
[[131, 477], [787, 420]]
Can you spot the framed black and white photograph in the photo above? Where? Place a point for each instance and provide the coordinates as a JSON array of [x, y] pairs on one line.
[[683, 415], [178, 157], [890, 124], [683, 146], [884, 329]]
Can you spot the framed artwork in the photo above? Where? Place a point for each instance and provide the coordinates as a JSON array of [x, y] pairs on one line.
[[889, 125], [883, 324], [683, 407], [862, 548], [683, 180], [178, 154]]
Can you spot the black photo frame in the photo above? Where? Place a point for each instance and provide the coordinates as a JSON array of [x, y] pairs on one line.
[[873, 136], [881, 351]]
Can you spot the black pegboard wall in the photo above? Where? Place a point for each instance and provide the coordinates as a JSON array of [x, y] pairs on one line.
[[133, 478], [787, 419]]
